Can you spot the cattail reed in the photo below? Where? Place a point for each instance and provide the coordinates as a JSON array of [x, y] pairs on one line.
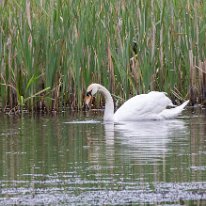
[[50, 51]]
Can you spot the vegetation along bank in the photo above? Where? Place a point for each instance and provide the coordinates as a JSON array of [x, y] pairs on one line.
[[50, 51]]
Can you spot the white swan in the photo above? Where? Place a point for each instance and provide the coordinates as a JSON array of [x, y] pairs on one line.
[[151, 106]]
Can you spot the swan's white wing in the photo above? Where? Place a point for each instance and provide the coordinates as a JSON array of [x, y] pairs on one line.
[[144, 106]]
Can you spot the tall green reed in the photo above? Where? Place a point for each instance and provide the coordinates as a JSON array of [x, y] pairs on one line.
[[50, 51]]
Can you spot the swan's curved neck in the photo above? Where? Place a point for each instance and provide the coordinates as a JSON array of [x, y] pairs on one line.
[[109, 104]]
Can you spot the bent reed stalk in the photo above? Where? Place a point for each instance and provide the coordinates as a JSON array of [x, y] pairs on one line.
[[50, 51]]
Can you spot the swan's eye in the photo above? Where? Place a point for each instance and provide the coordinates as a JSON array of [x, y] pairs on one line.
[[89, 93]]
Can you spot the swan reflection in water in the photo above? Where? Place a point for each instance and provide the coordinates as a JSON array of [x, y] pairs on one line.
[[143, 141]]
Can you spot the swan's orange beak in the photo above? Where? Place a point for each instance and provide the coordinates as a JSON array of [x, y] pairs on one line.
[[87, 100]]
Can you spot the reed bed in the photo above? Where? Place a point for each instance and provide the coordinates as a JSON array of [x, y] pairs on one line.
[[50, 51]]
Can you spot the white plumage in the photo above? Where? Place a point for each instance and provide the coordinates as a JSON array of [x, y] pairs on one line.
[[151, 106]]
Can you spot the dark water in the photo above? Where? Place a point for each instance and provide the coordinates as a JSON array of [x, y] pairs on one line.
[[73, 159]]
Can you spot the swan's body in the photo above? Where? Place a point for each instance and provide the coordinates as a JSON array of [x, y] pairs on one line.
[[151, 106]]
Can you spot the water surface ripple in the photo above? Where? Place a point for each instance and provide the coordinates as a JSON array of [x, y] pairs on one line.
[[72, 159]]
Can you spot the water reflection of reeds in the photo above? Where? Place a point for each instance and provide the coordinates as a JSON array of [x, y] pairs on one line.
[[198, 146], [55, 155]]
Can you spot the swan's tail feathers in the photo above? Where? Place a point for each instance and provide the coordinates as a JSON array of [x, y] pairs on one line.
[[173, 112]]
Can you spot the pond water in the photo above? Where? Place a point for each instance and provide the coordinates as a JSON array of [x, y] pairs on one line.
[[76, 159]]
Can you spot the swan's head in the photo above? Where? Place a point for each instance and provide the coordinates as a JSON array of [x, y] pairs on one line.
[[91, 91]]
